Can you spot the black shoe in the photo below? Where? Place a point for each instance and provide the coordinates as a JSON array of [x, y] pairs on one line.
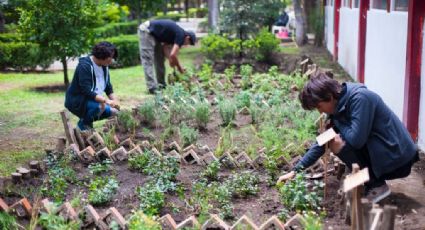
[[152, 91]]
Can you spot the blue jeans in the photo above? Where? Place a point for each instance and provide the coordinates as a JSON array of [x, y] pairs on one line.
[[93, 113]]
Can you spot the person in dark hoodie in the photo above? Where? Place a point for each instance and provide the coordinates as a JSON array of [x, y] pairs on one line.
[[85, 96], [368, 133], [160, 39]]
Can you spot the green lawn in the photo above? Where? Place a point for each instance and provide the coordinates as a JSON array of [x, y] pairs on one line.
[[30, 120]]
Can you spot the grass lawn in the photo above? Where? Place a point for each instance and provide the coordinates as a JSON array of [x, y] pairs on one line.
[[30, 120]]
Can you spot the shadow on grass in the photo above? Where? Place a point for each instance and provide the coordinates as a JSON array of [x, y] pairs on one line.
[[56, 88]]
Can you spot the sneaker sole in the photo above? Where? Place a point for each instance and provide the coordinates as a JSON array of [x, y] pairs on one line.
[[382, 196]]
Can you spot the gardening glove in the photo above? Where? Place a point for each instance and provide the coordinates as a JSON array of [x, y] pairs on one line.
[[286, 177]]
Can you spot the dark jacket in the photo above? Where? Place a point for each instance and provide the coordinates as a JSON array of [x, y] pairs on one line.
[[83, 87], [364, 120], [167, 31]]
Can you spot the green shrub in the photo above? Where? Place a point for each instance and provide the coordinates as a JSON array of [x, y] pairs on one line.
[[128, 50], [10, 37], [243, 99], [116, 29], [172, 16], [211, 171], [244, 184], [197, 12], [147, 111], [22, 55], [216, 47], [52, 221], [267, 44], [227, 109], [126, 120], [187, 135], [202, 114]]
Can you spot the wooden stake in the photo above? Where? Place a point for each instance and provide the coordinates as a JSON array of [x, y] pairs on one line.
[[68, 127]]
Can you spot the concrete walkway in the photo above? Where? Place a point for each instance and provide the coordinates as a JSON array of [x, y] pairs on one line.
[[190, 24]]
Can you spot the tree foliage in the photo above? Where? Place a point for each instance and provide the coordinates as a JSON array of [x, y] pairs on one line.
[[62, 28], [246, 17]]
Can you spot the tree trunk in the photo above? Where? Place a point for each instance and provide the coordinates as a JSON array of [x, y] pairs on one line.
[[186, 9], [212, 14], [65, 71], [320, 26], [2, 22], [300, 34]]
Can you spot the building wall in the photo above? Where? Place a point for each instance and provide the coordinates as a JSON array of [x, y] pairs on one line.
[[329, 28], [348, 40], [421, 126], [385, 58]]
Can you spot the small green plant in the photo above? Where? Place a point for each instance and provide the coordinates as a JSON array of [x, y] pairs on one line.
[[296, 195], [147, 111], [126, 120], [53, 221], [272, 171], [244, 184], [211, 171], [152, 198], [206, 72], [243, 99], [8, 221], [223, 195], [101, 190], [227, 111], [100, 167], [108, 138], [202, 114], [140, 221], [230, 72], [312, 221], [246, 72], [187, 135]]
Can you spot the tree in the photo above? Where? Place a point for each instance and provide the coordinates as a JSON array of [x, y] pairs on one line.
[[62, 28], [247, 17], [300, 22]]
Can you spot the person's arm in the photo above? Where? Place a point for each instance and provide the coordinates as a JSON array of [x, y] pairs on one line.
[[174, 61], [312, 155], [362, 112]]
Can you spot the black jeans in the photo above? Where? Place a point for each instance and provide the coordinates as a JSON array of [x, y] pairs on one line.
[[362, 158]]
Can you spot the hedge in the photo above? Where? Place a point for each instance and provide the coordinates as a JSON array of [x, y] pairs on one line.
[[10, 37], [128, 50], [116, 29], [22, 55], [171, 16]]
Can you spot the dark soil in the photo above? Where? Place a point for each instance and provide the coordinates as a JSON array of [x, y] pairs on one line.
[[50, 88]]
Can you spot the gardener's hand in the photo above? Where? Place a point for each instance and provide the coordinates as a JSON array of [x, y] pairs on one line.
[[336, 144], [286, 177], [113, 103]]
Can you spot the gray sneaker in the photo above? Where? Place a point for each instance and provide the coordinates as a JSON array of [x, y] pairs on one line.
[[376, 194]]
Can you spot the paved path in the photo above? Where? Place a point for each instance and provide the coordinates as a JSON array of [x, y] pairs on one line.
[[191, 24]]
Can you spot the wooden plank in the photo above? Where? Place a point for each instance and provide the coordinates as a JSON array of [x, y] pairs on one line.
[[356, 179], [388, 217], [68, 128], [326, 136]]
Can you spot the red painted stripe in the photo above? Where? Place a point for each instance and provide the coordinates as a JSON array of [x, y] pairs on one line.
[[364, 7], [412, 87], [337, 7]]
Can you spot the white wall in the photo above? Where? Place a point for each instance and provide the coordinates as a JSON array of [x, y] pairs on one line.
[[329, 28], [385, 58], [421, 125], [348, 40]]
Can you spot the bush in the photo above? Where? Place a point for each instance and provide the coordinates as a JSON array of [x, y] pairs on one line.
[[202, 114], [116, 29], [197, 12], [227, 109], [128, 50], [147, 111], [267, 44], [10, 37], [172, 16], [22, 55], [216, 47], [187, 135]]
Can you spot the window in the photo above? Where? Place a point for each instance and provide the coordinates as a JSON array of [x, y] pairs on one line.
[[356, 3], [401, 5], [346, 3], [379, 4]]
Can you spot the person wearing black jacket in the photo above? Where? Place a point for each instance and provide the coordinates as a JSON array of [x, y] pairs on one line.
[[368, 133], [85, 96]]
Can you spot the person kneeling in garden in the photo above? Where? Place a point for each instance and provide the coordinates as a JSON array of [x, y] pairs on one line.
[[368, 133], [85, 96]]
